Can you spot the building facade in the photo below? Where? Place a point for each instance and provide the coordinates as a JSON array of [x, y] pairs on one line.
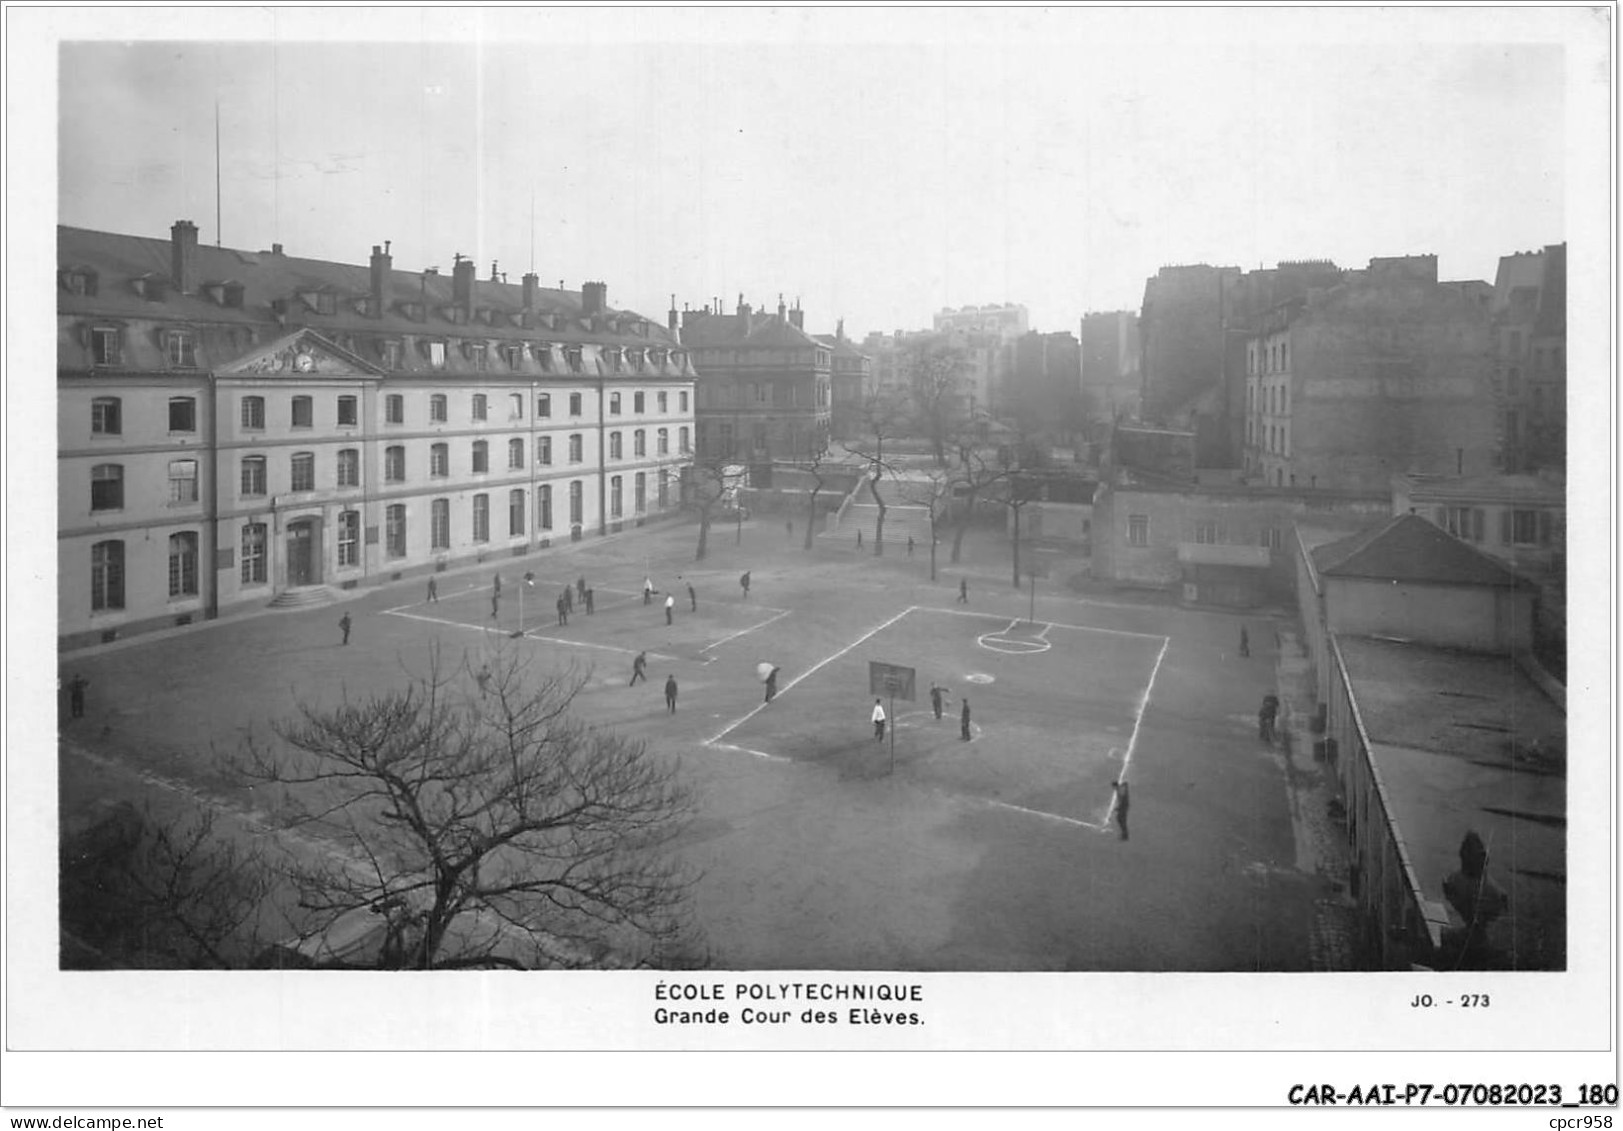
[[849, 383], [1110, 363], [234, 427], [1530, 338], [1388, 372], [764, 385]]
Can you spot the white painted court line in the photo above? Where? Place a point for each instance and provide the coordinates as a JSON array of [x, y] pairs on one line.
[[747, 750], [1132, 742], [781, 613], [809, 671], [1040, 813], [530, 635], [1051, 624]]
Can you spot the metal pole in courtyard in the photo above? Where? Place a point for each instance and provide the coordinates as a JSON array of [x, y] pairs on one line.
[[1033, 615], [893, 729]]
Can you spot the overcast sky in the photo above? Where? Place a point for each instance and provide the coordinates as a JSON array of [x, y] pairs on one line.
[[878, 166]]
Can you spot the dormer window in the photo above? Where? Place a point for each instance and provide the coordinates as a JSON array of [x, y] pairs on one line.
[[435, 352], [637, 359], [149, 287], [513, 355], [180, 348], [478, 353], [572, 354], [79, 281], [616, 359], [106, 345], [543, 356]]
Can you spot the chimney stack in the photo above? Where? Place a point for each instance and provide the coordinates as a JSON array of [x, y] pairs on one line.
[[594, 298], [781, 308], [382, 263], [183, 257], [839, 330], [495, 275], [797, 317], [670, 317], [462, 285], [744, 309], [532, 285]]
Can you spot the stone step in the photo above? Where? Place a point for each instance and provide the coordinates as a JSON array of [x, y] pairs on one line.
[[303, 597]]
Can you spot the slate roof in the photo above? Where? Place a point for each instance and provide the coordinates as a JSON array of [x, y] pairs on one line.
[[119, 259], [842, 347], [1409, 548], [762, 330]]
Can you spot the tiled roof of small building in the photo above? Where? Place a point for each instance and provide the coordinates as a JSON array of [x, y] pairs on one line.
[[1409, 548]]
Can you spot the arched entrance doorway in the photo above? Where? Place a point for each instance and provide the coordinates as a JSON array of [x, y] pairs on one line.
[[303, 553]]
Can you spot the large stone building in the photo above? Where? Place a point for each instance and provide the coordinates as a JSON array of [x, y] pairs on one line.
[[1110, 363], [1181, 351], [236, 427], [764, 384], [986, 335], [1530, 339], [1389, 371], [849, 384]]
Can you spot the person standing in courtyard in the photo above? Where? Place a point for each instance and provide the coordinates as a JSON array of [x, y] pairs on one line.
[[938, 695], [433, 590], [963, 590], [771, 684], [910, 545], [878, 717], [744, 581], [1266, 714], [580, 587], [648, 591], [496, 585], [1121, 806], [859, 539], [344, 623], [639, 669], [569, 599], [563, 613], [670, 607], [670, 694], [591, 604], [495, 605], [1245, 642], [693, 597], [963, 722], [76, 695]]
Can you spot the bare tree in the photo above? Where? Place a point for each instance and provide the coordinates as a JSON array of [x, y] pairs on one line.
[[484, 824], [138, 891], [816, 463], [1017, 491], [936, 370], [884, 418], [934, 493], [716, 477], [979, 473]]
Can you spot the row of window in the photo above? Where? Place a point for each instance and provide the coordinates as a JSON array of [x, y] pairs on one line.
[[1278, 399], [1272, 358], [1207, 532], [180, 352], [779, 394], [1516, 527], [107, 413], [107, 557], [107, 479], [1277, 437]]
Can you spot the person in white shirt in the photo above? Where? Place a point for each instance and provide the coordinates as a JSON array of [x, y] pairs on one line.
[[878, 721], [670, 604]]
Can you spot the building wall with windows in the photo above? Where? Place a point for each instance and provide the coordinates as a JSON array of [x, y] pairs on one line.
[[1138, 531], [764, 385], [234, 425], [1388, 372]]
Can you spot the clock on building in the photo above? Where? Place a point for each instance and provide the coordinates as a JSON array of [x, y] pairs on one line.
[[304, 362]]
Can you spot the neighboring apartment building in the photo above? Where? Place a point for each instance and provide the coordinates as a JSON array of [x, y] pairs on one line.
[[987, 335], [233, 425], [1389, 371], [1110, 363], [849, 383], [764, 384], [1530, 340], [1181, 351]]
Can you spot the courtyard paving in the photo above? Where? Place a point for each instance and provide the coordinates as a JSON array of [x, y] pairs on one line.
[[819, 852]]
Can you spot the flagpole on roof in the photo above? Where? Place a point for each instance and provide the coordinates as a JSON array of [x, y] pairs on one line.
[[217, 236]]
